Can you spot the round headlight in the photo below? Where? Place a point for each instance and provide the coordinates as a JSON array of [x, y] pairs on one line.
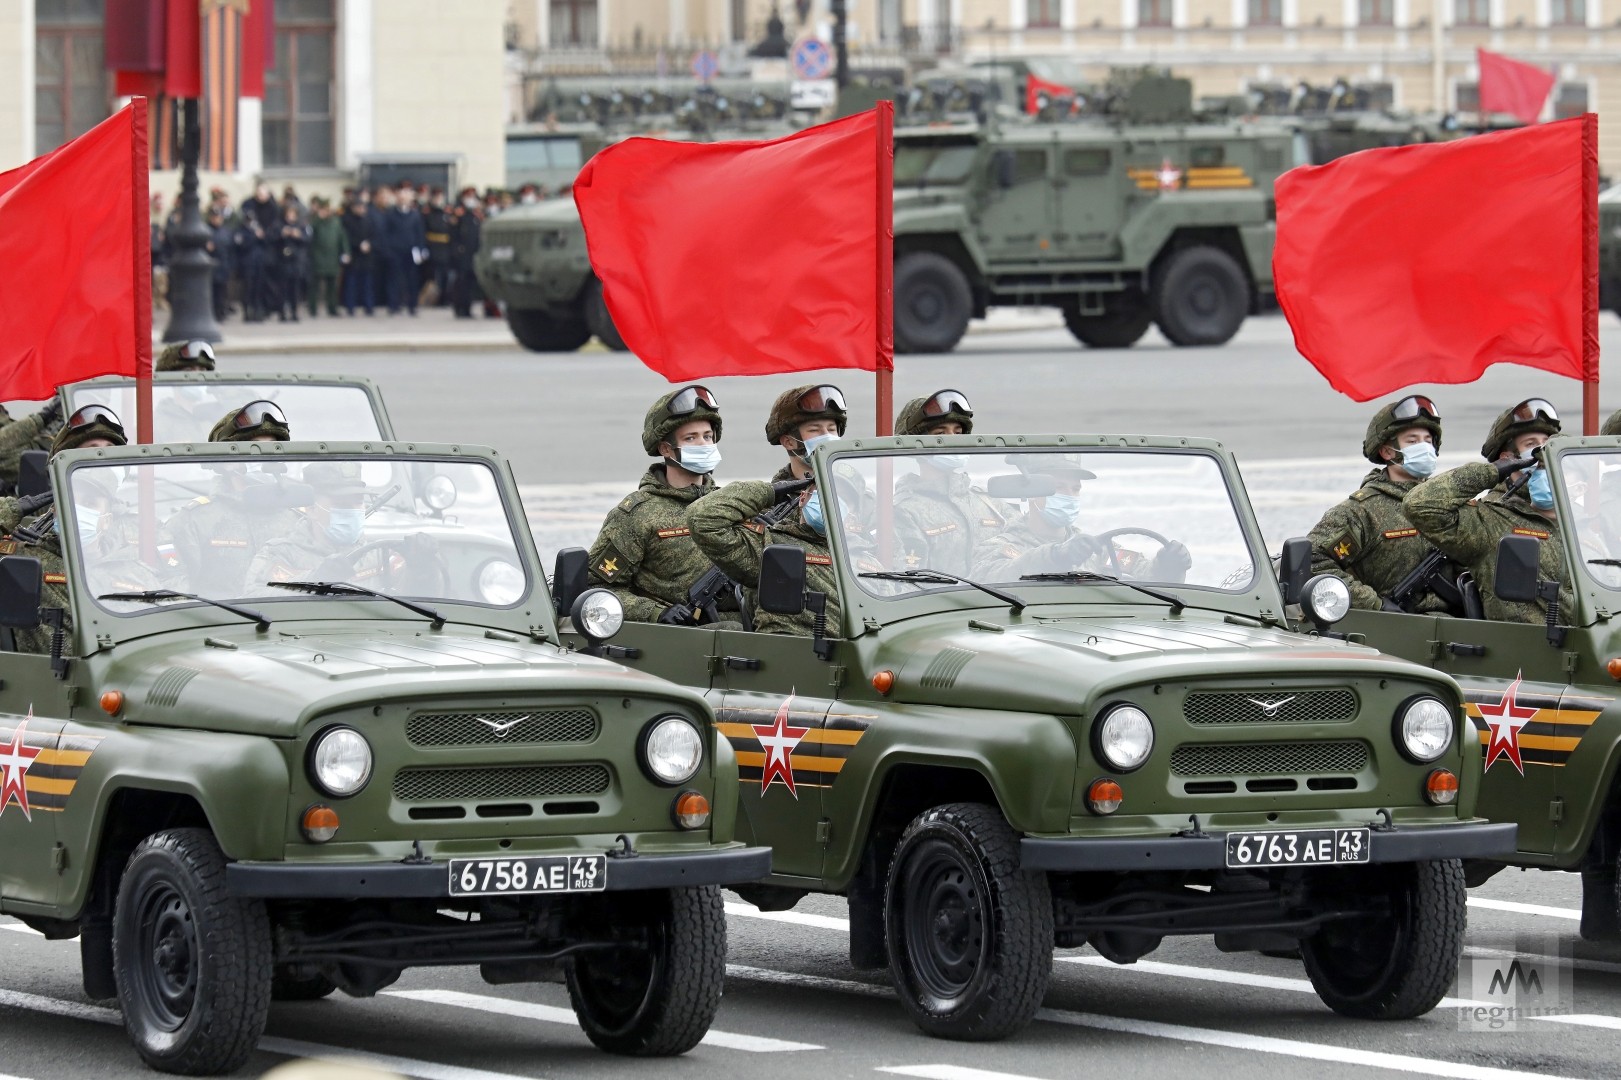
[[1325, 600], [340, 762], [1125, 737], [500, 583], [1424, 729], [440, 492], [672, 750], [598, 614]]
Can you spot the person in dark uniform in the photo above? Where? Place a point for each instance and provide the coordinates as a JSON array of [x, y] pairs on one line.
[[410, 247], [358, 289], [464, 245], [437, 224], [222, 249], [253, 256], [292, 254]]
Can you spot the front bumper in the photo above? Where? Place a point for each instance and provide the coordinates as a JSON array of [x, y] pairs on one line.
[[398, 880], [1209, 852]]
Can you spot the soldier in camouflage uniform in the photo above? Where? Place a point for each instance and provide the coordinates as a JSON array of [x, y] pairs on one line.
[[800, 420], [645, 553], [1451, 513], [1612, 426], [317, 543], [206, 546], [185, 356], [939, 519], [181, 413], [1367, 541]]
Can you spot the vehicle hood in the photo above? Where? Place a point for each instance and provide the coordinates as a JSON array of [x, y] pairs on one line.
[[272, 685], [1058, 665], [553, 213]]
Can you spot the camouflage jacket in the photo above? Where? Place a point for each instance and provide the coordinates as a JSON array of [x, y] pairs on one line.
[[724, 529], [207, 546], [645, 552], [1368, 543], [1467, 529], [941, 528], [25, 433]]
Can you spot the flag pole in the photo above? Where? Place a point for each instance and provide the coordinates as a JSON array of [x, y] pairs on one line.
[[1590, 290], [886, 268], [140, 167]]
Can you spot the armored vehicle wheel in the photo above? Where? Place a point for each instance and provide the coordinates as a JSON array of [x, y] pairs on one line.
[[970, 934], [192, 963], [1125, 319], [1200, 297], [1395, 966], [598, 319], [657, 1000], [287, 985], [932, 303], [541, 331]]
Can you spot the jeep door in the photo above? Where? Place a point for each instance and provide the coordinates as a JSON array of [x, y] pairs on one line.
[[34, 778]]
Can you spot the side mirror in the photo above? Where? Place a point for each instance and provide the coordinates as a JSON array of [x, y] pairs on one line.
[[1002, 168], [20, 581], [782, 579], [1518, 560], [1294, 568], [1020, 486], [33, 473], [569, 578]]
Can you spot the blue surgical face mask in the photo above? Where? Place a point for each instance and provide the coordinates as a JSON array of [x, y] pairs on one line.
[[809, 445], [812, 513], [343, 527], [1540, 489], [699, 459], [89, 522], [1419, 459], [1062, 510], [947, 462]]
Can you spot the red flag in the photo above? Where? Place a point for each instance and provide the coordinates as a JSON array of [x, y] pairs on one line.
[[74, 255], [744, 258], [1386, 283], [1035, 87], [1508, 86]]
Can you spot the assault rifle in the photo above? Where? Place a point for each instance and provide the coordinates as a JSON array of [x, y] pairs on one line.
[[703, 597], [1430, 575]]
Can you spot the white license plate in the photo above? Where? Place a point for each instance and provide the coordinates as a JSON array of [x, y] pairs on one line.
[[501, 254], [1307, 847], [541, 874]]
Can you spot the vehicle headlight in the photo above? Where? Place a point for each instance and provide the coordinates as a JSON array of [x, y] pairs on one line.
[[440, 492], [500, 583], [598, 614], [1325, 600], [1125, 737], [1424, 728], [672, 750], [340, 761]]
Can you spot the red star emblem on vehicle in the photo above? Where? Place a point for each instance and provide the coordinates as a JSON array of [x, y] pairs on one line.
[[1505, 719], [1169, 176], [14, 762], [779, 741]]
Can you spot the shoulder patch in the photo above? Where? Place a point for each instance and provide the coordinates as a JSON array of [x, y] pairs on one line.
[[942, 530], [992, 523], [608, 567], [670, 534], [1400, 534], [201, 500], [1540, 534], [1343, 549], [8, 547], [1362, 493], [818, 560], [755, 526]]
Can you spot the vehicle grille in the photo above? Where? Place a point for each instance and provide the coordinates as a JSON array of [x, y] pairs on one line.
[[1270, 758], [512, 782], [1239, 707], [514, 727]]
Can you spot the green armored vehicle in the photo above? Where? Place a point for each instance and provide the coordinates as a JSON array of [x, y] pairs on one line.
[[371, 755], [994, 754], [1609, 249]]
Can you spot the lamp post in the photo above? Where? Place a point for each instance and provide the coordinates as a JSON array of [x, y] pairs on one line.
[[191, 271]]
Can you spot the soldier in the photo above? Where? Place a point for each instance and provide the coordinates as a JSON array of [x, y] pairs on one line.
[[1366, 541], [802, 419], [205, 546], [181, 414], [644, 552], [32, 432], [1451, 513], [185, 356], [939, 519], [1612, 426]]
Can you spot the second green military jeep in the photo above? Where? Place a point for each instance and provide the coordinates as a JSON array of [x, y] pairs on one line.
[[1082, 752], [369, 754]]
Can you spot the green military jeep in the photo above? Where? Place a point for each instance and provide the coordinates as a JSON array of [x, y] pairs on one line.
[[370, 756], [989, 764], [1545, 700]]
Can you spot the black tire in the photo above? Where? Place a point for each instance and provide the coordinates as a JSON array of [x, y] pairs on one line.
[[597, 318], [287, 985], [1601, 900], [541, 331], [192, 963], [970, 934], [932, 303], [1126, 317], [661, 1001], [1400, 966], [1200, 297]]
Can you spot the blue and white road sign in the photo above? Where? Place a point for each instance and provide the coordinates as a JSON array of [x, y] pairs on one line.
[[705, 65], [812, 59]]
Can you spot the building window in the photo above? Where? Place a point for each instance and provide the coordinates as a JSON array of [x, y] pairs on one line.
[[1466, 97], [574, 22], [72, 91], [298, 123], [1266, 13], [1154, 12], [1376, 12], [1570, 100], [1042, 14], [1471, 12], [1567, 13]]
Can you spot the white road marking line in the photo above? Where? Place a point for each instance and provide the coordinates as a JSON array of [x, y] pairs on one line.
[[553, 1014], [825, 922], [948, 1072], [1584, 1020], [1227, 976], [1524, 909], [20, 928], [9, 1076], [426, 1070]]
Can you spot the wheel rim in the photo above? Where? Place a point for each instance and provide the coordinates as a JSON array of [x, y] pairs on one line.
[[166, 978], [927, 305], [1205, 300], [945, 922]]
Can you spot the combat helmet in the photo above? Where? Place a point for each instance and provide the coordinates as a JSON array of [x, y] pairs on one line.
[[676, 408], [1530, 415], [250, 421], [1412, 411], [1612, 426], [185, 356], [920, 414], [801, 405], [90, 422]]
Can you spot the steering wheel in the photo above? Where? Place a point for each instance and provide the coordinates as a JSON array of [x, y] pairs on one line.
[[1107, 540], [421, 567]]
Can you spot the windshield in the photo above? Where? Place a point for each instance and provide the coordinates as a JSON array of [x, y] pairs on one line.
[[223, 529], [185, 411], [557, 152], [1593, 490], [1155, 517], [933, 163]]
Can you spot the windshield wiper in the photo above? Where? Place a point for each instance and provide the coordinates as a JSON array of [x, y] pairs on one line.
[[152, 596], [1177, 604], [344, 588], [1604, 562], [923, 575]]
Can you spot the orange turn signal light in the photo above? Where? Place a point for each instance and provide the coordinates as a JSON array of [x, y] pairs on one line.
[[1104, 796], [691, 810], [883, 681], [1441, 787], [1614, 668], [320, 823], [112, 701]]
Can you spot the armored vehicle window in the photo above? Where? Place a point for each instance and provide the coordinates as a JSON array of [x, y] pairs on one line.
[[1086, 161], [1207, 157], [1029, 165], [543, 153], [186, 411], [933, 164]]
